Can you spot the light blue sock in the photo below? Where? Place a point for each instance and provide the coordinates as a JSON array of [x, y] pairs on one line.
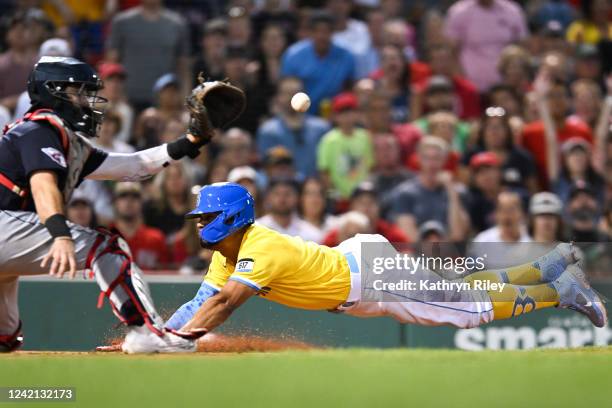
[[184, 313]]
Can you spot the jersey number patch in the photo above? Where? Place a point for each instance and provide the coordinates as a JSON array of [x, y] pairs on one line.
[[245, 265]]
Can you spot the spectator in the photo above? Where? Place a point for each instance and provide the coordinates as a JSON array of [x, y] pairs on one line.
[[298, 132], [267, 64], [352, 223], [313, 206], [509, 221], [587, 64], [432, 232], [388, 171], [53, 47], [553, 101], [379, 121], [236, 148], [278, 163], [481, 29], [606, 220], [583, 212], [114, 76], [149, 41], [587, 101], [495, 135], [147, 244], [324, 68], [400, 34], [437, 95], [515, 68], [370, 61], [172, 199], [108, 135], [484, 188], [282, 200], [364, 200], [442, 62], [239, 29], [17, 61], [394, 79], [576, 167], [431, 195], [349, 33], [169, 105], [545, 219], [508, 98], [345, 157], [236, 70], [81, 212], [211, 61], [594, 26]]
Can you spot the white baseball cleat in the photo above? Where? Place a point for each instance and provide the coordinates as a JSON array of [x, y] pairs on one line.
[[141, 340]]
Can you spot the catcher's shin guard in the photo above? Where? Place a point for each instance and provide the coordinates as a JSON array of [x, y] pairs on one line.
[[11, 342], [121, 281]]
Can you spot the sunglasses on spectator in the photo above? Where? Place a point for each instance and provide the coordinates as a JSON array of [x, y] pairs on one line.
[[495, 112]]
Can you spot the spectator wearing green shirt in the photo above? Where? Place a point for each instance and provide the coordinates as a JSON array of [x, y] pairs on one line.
[[344, 156]]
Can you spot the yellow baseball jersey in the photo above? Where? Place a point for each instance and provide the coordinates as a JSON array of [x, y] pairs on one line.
[[286, 270]]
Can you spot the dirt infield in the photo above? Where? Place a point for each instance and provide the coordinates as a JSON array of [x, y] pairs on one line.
[[219, 343]]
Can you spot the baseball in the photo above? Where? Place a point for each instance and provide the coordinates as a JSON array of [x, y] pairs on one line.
[[300, 102]]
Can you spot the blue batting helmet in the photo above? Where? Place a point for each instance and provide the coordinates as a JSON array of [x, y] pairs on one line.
[[234, 204]]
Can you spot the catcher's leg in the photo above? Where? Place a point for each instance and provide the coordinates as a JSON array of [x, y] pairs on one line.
[[10, 325], [27, 241]]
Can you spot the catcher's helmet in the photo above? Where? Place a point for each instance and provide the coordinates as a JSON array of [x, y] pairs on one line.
[[234, 204], [47, 87]]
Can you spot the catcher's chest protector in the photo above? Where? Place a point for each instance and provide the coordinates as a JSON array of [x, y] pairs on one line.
[[76, 146]]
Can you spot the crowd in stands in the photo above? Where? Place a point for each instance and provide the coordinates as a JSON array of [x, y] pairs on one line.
[[459, 121]]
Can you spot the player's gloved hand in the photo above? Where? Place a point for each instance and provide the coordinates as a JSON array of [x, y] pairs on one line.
[[62, 257], [212, 105]]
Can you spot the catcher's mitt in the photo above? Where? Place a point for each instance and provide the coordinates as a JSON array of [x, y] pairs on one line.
[[213, 104]]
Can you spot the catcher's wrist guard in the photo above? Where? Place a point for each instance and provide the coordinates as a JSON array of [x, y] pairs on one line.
[[57, 226], [182, 147]]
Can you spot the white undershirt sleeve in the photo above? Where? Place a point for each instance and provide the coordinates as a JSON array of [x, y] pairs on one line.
[[132, 166]]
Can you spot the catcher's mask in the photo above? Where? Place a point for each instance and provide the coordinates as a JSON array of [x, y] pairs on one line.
[[70, 88], [233, 205]]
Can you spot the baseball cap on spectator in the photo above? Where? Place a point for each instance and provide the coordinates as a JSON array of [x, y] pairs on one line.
[[545, 203], [126, 188], [579, 187], [438, 83], [430, 227], [553, 29], [482, 159], [55, 47], [278, 155], [164, 81], [109, 69], [216, 26], [365, 187], [241, 173], [78, 197], [575, 143], [344, 101]]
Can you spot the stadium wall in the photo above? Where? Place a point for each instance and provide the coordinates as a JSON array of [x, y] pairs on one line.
[[64, 317]]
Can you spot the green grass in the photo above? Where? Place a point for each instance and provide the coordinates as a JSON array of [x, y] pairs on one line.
[[327, 378]]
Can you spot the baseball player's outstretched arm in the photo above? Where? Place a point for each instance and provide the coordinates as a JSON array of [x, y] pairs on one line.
[[218, 308], [49, 206]]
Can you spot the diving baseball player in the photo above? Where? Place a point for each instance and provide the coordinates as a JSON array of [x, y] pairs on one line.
[[43, 157], [250, 259]]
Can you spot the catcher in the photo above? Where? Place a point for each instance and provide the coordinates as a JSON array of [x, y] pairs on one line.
[[45, 155], [250, 259]]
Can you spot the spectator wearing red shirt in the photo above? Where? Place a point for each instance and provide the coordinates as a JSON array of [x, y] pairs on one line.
[[148, 245], [441, 62], [557, 102], [365, 200]]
